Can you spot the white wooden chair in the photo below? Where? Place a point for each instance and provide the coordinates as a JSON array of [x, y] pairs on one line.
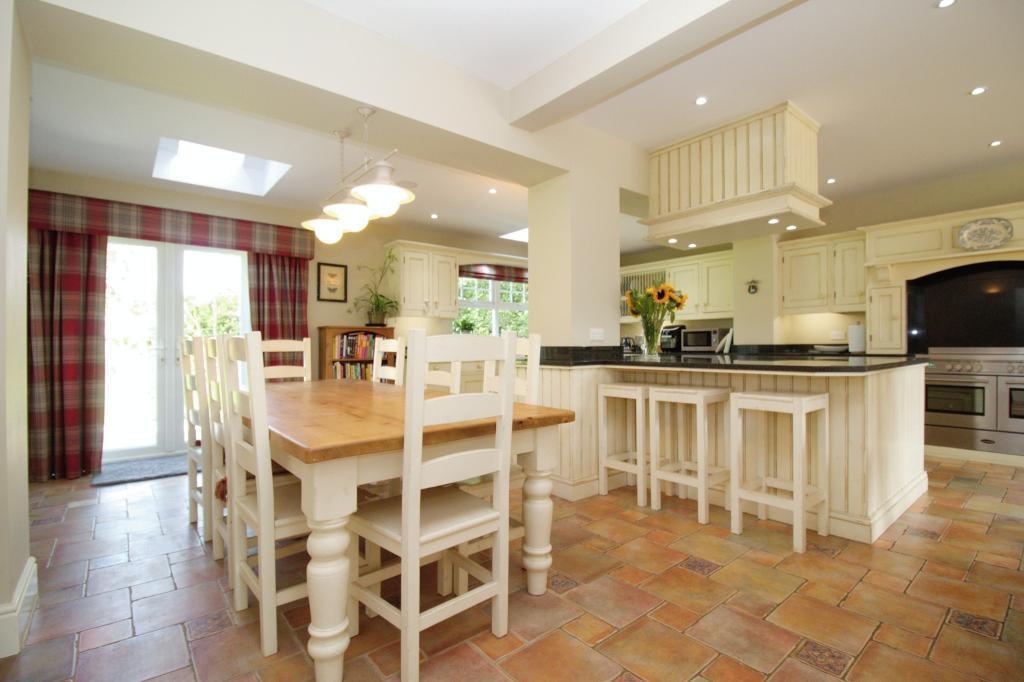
[[431, 517], [450, 378], [393, 373], [219, 444], [305, 372], [273, 513], [197, 447]]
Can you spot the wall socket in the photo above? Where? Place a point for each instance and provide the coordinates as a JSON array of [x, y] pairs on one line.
[[596, 334], [837, 335]]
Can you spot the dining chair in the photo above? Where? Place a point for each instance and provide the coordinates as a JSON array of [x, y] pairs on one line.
[[273, 513], [197, 446], [393, 373], [304, 346], [450, 378], [432, 517], [219, 444]]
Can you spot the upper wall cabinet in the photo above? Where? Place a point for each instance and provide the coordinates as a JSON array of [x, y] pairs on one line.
[[428, 282], [824, 274], [887, 319], [706, 280]]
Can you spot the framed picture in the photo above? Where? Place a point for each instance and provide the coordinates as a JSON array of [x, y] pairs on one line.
[[332, 282]]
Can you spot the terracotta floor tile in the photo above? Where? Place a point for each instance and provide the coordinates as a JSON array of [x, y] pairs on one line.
[[155, 545], [152, 588], [896, 609], [797, 671], [53, 659], [710, 547], [534, 663], [200, 570], [898, 638], [169, 608], [63, 576], [583, 564], [829, 625], [1008, 529], [955, 513], [839, 575], [763, 558], [880, 662], [497, 647], [388, 658], [1013, 628], [982, 504], [940, 569], [959, 535], [127, 574], [588, 629], [105, 634], [661, 537], [822, 592], [600, 544], [765, 538], [179, 675], [976, 599], [998, 560], [725, 669], [208, 624], [87, 549], [451, 631], [462, 663], [824, 658], [700, 566], [373, 634], [109, 560], [934, 551], [78, 615], [297, 668], [886, 580], [688, 590], [61, 530], [674, 616], [750, 576], [968, 621], [647, 555], [616, 530], [59, 596], [630, 574], [597, 507], [656, 652], [138, 658], [672, 522], [936, 524], [750, 640], [567, 532], [243, 642], [613, 601], [756, 606], [531, 616], [996, 577], [978, 655]]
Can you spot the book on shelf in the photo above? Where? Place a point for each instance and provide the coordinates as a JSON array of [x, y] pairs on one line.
[[354, 346], [352, 370]]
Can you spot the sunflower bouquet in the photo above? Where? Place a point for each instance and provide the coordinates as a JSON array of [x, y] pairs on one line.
[[652, 307]]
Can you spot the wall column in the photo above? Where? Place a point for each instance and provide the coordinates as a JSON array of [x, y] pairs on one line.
[[17, 568], [574, 260], [755, 316]]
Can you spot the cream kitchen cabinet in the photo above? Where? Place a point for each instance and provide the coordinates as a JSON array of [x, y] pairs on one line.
[[686, 279], [706, 280], [822, 275], [428, 283], [716, 287], [886, 317]]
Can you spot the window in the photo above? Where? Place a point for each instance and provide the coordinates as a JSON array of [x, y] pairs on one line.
[[490, 307]]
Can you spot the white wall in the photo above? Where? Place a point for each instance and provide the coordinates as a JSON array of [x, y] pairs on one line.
[[16, 566], [755, 315]]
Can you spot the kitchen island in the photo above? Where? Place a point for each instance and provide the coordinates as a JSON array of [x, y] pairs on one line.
[[876, 422]]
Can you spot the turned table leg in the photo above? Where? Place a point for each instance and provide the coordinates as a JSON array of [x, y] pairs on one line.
[[538, 510]]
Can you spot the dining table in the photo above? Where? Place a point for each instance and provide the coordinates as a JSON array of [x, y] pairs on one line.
[[337, 434]]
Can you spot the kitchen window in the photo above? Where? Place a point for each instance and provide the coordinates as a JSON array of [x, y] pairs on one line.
[[489, 307]]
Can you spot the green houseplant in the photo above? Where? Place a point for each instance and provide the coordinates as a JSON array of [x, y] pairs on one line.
[[652, 307], [372, 299]]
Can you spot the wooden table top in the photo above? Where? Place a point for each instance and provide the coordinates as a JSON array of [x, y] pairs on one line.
[[321, 420]]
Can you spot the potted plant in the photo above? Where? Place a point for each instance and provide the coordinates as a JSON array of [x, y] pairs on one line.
[[377, 305], [652, 308]]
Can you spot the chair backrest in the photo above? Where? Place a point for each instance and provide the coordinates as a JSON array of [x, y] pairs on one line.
[[216, 400], [450, 378], [193, 381], [422, 412], [250, 447], [393, 373], [528, 387], [305, 372]]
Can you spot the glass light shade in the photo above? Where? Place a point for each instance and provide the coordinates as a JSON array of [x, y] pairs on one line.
[[379, 191], [351, 213], [327, 230]]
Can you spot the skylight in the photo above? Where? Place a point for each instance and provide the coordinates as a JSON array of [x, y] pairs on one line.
[[522, 235], [199, 164]]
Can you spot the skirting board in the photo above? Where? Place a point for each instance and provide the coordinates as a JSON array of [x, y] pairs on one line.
[[942, 452], [16, 615]]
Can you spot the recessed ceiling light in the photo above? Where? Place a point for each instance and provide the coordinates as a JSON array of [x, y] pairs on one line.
[[773, 221], [830, 181], [492, 191], [691, 245], [701, 101], [980, 90], [433, 216], [790, 228], [673, 241], [522, 235], [943, 4], [995, 143]]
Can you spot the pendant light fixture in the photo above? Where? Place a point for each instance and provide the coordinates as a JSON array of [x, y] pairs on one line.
[[327, 229], [377, 187]]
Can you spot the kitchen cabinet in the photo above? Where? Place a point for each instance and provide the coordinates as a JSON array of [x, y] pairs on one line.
[[707, 281], [886, 317], [428, 283], [414, 278], [716, 286], [824, 274], [444, 285], [686, 279]]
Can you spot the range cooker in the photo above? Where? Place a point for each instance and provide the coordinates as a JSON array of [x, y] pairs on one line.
[[974, 399]]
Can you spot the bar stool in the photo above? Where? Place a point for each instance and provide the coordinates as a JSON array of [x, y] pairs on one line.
[[695, 473], [630, 461], [804, 496]]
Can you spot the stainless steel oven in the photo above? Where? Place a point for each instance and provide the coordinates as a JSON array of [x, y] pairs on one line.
[[1011, 405], [965, 401]]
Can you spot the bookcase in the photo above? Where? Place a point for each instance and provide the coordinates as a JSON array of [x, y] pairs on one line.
[[347, 352]]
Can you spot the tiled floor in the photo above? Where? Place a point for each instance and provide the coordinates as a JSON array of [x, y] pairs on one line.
[[129, 593]]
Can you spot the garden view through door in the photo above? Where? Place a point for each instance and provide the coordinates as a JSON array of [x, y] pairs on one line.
[[156, 294]]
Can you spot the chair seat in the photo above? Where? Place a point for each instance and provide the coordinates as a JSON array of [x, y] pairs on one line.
[[287, 508], [443, 511]]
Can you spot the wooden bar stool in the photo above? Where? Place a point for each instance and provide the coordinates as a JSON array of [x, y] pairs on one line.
[[630, 461], [802, 496], [697, 472]]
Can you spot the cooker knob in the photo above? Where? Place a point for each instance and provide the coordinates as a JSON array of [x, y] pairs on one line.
[[1011, 368], [978, 367], [958, 367], [948, 366]]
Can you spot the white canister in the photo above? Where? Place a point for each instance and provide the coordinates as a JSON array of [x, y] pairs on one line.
[[855, 338]]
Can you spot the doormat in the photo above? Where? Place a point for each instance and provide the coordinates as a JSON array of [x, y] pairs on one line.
[[141, 470]]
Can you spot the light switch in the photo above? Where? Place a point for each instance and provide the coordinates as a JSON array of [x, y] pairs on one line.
[[596, 334]]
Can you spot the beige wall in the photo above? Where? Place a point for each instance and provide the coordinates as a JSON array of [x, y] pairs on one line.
[[755, 315], [816, 327], [16, 566]]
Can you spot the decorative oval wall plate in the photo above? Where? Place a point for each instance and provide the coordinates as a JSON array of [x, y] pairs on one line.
[[984, 234]]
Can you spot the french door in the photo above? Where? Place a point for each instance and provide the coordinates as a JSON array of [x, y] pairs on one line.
[[156, 294]]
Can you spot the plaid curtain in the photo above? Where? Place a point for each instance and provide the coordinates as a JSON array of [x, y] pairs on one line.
[[277, 300], [66, 298], [501, 273]]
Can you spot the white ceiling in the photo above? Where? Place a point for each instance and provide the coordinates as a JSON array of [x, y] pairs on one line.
[[887, 80], [501, 42]]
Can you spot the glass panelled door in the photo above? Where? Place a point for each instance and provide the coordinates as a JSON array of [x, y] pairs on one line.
[[157, 293]]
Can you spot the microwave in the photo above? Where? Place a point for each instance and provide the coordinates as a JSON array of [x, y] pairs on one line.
[[679, 339]]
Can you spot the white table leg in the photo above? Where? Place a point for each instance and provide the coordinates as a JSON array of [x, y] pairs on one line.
[[538, 509], [328, 498]]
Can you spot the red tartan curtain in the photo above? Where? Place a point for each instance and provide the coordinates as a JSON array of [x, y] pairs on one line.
[[277, 300], [66, 299], [501, 273]]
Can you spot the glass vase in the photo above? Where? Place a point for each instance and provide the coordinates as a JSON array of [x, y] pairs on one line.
[[652, 336]]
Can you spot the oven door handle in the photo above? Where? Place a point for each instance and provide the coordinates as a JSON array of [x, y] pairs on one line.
[[978, 383]]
